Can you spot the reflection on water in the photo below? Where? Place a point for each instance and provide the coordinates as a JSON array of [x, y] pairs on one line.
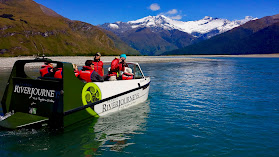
[[114, 131], [90, 137]]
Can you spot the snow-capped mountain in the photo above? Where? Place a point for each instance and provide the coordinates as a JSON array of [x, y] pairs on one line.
[[255, 37], [153, 35], [196, 28]]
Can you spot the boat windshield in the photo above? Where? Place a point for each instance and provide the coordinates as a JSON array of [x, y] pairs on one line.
[[137, 72]]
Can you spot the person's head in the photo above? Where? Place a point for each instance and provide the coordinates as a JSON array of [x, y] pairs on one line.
[[88, 63], [123, 57], [48, 63], [97, 56]]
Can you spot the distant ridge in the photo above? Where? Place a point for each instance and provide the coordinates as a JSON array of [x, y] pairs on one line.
[[255, 37], [28, 28], [153, 35]]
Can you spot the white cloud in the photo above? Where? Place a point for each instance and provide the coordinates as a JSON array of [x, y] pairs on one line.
[[154, 7], [173, 11], [173, 14], [177, 17]]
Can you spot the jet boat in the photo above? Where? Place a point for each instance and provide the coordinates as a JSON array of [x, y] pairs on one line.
[[58, 103]]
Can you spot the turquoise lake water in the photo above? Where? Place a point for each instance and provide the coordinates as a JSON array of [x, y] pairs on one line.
[[223, 107]]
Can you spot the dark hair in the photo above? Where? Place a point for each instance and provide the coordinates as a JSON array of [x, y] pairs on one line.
[[98, 54], [88, 62]]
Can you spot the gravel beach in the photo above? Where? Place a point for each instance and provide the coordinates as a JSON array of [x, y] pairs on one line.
[[7, 62]]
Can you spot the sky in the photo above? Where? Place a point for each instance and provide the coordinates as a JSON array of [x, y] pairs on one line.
[[108, 11]]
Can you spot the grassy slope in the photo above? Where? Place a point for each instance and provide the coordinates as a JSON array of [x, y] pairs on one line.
[[31, 31]]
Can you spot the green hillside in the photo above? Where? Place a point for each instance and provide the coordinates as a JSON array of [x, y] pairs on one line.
[[28, 28]]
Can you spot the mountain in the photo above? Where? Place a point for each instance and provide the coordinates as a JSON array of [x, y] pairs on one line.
[[120, 44], [207, 25], [259, 36], [28, 28], [152, 35]]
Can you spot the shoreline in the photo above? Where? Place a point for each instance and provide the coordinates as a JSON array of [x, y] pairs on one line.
[[7, 62], [275, 55]]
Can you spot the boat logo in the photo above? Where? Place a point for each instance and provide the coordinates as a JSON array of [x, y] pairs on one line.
[[91, 93]]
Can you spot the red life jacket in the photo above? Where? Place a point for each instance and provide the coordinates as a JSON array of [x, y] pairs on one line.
[[116, 66], [45, 70], [76, 73], [127, 76], [58, 73], [98, 67], [85, 73]]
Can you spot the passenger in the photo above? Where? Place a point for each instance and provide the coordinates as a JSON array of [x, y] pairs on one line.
[[98, 64], [88, 73], [128, 74], [76, 70], [47, 70], [118, 65], [58, 73]]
